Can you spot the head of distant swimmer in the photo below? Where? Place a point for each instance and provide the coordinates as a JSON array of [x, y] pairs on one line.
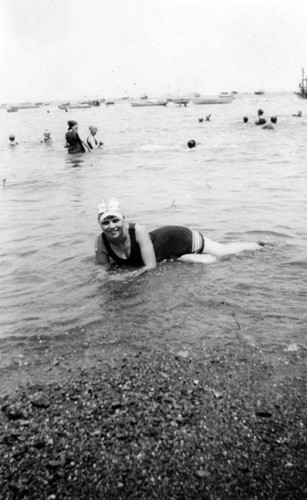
[[93, 130], [12, 137], [245, 119], [260, 112], [46, 134], [274, 119], [191, 143]]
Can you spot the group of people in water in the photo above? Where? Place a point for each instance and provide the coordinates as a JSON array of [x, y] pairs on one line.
[[261, 120], [130, 244], [75, 144], [46, 138]]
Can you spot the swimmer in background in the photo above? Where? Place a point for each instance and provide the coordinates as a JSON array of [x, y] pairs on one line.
[[12, 140], [245, 119], [299, 114], [47, 137], [73, 141], [91, 140], [208, 118], [130, 244], [261, 120], [270, 125], [191, 143]]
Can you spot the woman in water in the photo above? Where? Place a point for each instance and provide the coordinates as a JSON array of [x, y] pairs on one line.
[[73, 141], [91, 140], [131, 244]]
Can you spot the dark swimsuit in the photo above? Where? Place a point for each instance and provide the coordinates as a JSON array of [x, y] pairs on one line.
[[169, 242], [74, 142]]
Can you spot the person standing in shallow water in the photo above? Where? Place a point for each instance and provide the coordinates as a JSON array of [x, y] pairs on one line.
[[91, 140], [73, 141], [130, 244]]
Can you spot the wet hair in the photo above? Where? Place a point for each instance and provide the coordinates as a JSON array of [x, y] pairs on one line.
[[245, 119], [12, 137], [260, 112], [191, 143], [274, 119]]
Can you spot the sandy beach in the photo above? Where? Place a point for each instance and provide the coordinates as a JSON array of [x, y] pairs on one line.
[[102, 422]]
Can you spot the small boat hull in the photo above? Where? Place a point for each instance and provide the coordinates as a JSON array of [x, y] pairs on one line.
[[213, 100], [74, 106], [146, 103]]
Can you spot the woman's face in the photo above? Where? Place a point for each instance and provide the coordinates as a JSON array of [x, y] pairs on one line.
[[113, 227]]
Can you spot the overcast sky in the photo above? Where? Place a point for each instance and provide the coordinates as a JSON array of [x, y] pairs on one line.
[[65, 49]]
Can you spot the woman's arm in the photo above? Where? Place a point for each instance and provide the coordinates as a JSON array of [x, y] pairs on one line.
[[146, 247], [86, 146], [101, 251]]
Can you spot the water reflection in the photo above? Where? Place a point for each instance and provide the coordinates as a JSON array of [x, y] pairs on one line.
[[74, 161]]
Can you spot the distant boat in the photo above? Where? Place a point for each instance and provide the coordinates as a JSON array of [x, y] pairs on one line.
[[94, 102], [302, 87], [148, 102], [27, 105], [227, 94], [213, 99], [180, 100], [144, 96], [11, 109], [74, 106], [108, 102], [259, 92]]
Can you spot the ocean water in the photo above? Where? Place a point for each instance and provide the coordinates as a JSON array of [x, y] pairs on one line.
[[240, 183]]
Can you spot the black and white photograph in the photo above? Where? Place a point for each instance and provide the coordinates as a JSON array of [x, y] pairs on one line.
[[153, 256]]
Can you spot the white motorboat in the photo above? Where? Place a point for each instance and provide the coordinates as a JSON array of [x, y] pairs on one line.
[[148, 102], [213, 99]]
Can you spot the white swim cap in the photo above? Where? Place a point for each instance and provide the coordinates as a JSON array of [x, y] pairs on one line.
[[112, 207]]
